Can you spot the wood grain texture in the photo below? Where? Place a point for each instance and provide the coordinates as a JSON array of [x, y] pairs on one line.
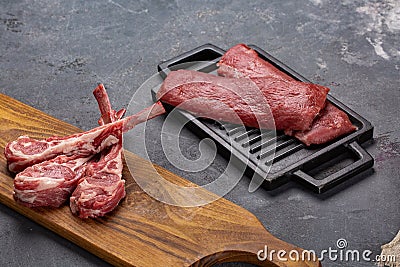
[[142, 231]]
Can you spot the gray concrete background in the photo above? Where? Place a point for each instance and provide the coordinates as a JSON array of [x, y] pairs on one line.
[[53, 53]]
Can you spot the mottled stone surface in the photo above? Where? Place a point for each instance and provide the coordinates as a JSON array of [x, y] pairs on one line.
[[53, 53]]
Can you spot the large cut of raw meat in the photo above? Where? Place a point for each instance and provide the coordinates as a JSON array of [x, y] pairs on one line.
[[331, 123], [102, 187], [293, 104], [242, 61], [26, 151]]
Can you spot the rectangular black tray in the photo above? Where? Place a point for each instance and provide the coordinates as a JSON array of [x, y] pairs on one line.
[[319, 166]]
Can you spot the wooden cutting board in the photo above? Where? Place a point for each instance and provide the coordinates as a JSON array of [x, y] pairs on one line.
[[142, 231]]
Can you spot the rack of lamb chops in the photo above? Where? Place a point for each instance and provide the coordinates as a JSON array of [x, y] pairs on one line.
[[85, 167]]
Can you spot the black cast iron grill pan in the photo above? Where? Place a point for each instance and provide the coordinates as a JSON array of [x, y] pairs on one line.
[[319, 166]]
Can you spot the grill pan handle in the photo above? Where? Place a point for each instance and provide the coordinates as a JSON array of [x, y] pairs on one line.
[[363, 162], [206, 52]]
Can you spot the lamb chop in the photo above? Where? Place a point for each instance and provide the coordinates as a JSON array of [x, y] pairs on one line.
[[102, 187], [100, 191], [50, 183], [26, 151]]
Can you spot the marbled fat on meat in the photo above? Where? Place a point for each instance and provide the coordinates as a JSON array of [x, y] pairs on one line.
[[102, 187], [332, 122], [49, 183], [294, 104]]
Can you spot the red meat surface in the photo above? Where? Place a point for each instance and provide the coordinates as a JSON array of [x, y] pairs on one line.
[[331, 123], [26, 151], [242, 61], [251, 102], [49, 183]]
